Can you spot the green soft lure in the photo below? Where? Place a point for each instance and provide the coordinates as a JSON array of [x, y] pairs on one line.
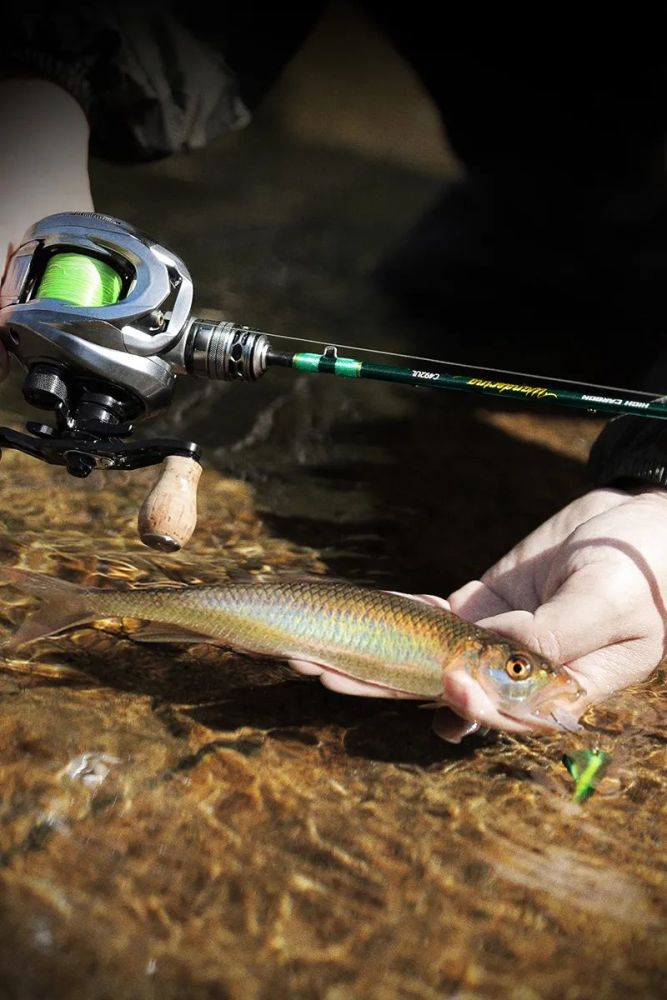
[[587, 767]]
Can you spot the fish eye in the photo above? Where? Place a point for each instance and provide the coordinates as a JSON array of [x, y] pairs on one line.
[[518, 668]]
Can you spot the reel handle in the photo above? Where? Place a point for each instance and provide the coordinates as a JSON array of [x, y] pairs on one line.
[[168, 515]]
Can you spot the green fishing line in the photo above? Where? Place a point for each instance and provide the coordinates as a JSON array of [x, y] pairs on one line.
[[80, 280]]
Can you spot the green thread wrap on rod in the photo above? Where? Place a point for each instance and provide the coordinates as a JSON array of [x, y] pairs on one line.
[[80, 280], [307, 362], [344, 367], [348, 368]]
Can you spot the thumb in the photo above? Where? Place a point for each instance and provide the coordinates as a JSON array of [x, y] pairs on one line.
[[589, 611]]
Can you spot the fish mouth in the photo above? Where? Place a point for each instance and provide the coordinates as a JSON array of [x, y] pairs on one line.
[[566, 689], [548, 709]]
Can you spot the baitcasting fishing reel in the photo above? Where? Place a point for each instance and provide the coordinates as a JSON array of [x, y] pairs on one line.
[[99, 316]]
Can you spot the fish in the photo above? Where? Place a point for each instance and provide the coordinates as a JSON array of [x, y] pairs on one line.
[[359, 640]]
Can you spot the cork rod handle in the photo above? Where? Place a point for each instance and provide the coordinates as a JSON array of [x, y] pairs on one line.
[[168, 515]]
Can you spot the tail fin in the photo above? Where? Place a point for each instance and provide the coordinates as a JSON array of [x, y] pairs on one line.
[[62, 605]]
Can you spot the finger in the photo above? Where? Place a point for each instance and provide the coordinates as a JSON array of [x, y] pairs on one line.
[[562, 631], [451, 727], [342, 684], [614, 668], [591, 610], [476, 600]]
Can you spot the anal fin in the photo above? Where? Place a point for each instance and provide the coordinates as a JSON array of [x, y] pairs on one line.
[[165, 632]]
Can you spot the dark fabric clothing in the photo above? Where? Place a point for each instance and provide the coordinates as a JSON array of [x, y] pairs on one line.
[[630, 451], [633, 450], [148, 86], [155, 78]]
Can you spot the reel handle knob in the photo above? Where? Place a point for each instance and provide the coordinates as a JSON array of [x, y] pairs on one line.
[[168, 515]]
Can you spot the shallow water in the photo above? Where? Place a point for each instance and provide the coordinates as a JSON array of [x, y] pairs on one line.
[[187, 822]]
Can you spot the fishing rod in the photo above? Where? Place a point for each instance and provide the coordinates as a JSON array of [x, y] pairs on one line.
[[99, 316], [455, 376]]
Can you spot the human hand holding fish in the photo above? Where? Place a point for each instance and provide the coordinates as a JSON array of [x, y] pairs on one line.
[[585, 589]]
